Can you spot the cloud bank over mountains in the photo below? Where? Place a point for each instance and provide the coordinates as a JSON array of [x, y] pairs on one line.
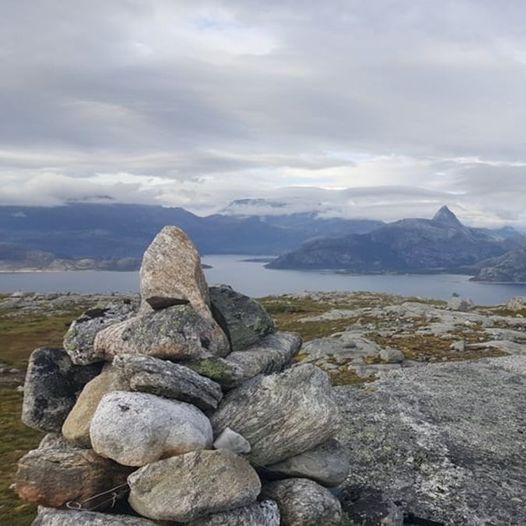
[[377, 109]]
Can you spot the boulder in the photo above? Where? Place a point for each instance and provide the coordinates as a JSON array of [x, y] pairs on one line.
[[243, 319], [51, 387], [137, 428], [302, 502], [326, 464], [271, 354], [232, 441], [78, 341], [265, 513], [51, 517], [194, 485], [281, 415], [460, 304], [517, 303], [77, 424], [164, 378], [175, 333], [171, 273], [391, 355], [57, 473]]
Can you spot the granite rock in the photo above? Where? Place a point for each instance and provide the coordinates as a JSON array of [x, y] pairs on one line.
[[265, 513], [52, 517]]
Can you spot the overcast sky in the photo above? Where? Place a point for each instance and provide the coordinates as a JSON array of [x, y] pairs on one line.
[[407, 104]]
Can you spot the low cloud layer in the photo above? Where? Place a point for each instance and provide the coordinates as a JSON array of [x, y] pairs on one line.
[[405, 105]]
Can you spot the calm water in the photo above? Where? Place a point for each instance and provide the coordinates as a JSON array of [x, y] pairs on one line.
[[255, 280]]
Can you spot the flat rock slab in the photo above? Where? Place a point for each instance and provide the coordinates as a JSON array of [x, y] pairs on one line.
[[137, 428], [175, 333], [171, 273], [51, 517], [270, 354], [302, 502], [265, 513], [56, 473], [78, 341], [243, 319], [164, 378], [445, 442], [51, 387], [194, 485], [281, 415]]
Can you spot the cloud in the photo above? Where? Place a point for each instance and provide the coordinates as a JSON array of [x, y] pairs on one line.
[[197, 103]]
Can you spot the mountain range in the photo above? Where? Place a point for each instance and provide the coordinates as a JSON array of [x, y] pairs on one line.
[[81, 235], [440, 244]]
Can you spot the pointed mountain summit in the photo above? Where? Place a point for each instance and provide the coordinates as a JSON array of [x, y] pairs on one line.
[[446, 217]]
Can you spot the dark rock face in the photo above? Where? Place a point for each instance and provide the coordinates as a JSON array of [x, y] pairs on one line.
[[51, 388], [243, 319], [281, 415], [271, 354], [509, 268], [302, 502], [419, 442], [78, 341], [163, 378], [57, 473], [439, 244]]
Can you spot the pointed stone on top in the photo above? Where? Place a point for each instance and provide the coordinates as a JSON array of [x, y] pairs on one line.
[[171, 273], [446, 217]]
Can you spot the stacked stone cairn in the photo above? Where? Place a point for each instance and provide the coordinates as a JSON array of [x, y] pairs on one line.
[[185, 409]]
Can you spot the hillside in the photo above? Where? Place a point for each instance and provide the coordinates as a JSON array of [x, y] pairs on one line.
[[442, 243]]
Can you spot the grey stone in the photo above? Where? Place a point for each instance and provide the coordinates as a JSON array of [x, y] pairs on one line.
[[51, 387], [445, 441], [243, 319], [459, 346], [57, 473], [171, 380], [78, 341], [271, 354], [281, 415], [302, 502], [176, 333], [232, 441], [460, 304], [326, 464], [391, 355], [265, 513], [171, 273], [137, 428], [52, 517], [517, 303], [194, 485]]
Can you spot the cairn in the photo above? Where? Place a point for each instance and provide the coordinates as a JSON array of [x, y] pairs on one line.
[[185, 409]]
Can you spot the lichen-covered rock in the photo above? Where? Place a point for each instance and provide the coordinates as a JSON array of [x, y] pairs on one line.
[[175, 333], [78, 341], [164, 378], [51, 387], [194, 485], [171, 273], [57, 473], [281, 415], [52, 517], [302, 502], [77, 424], [243, 319], [137, 428], [460, 304], [265, 513], [271, 354], [326, 464], [232, 441]]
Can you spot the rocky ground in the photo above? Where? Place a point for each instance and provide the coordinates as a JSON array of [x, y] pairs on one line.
[[426, 439]]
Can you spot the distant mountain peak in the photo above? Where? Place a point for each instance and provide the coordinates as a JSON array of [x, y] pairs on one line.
[[446, 217]]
